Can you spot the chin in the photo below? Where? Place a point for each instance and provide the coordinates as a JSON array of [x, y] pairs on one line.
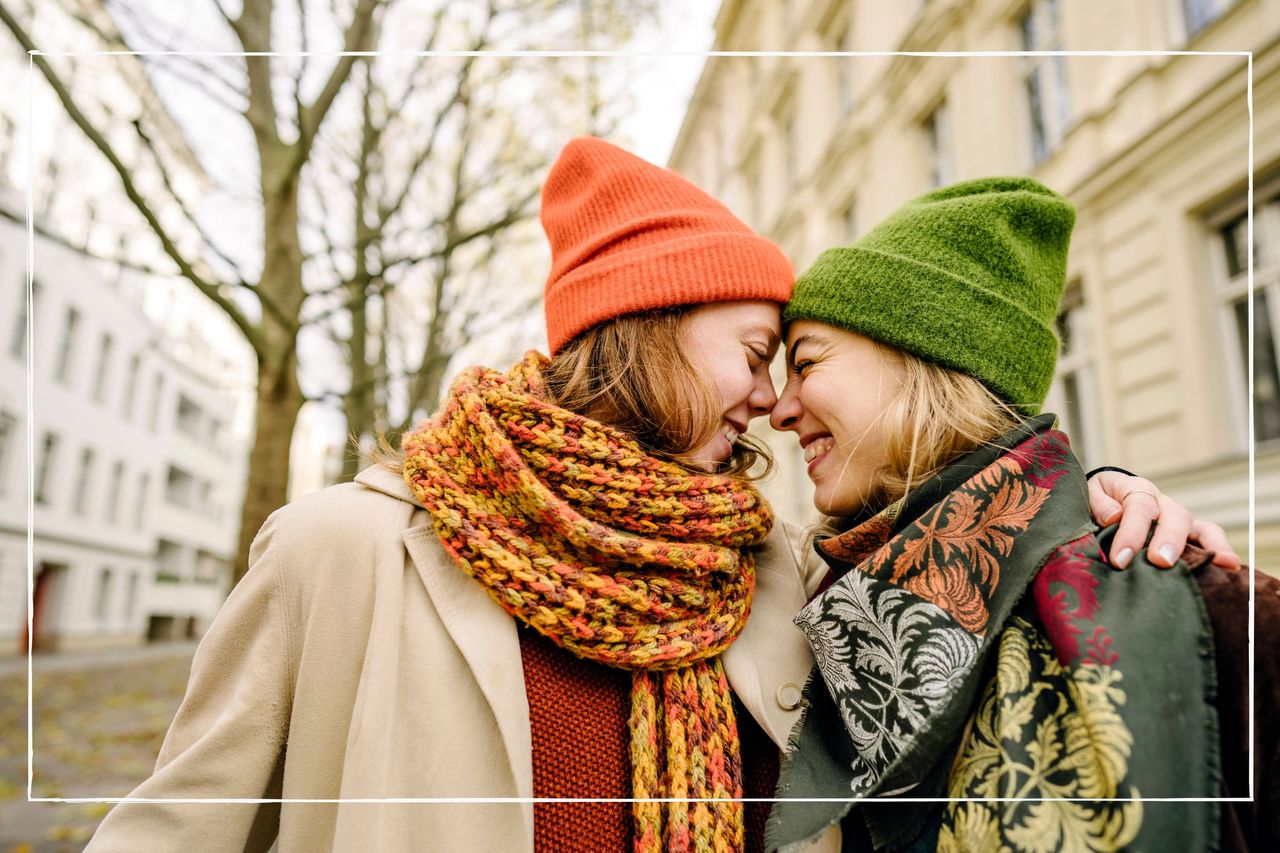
[[837, 506]]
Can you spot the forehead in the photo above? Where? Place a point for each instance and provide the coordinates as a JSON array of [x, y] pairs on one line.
[[809, 330], [740, 317]]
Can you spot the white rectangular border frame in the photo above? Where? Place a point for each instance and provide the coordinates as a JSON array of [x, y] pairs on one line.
[[1248, 55]]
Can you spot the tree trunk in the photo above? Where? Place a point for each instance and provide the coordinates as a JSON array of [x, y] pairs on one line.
[[279, 394], [267, 482], [357, 405]]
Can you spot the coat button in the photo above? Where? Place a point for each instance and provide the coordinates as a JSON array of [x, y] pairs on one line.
[[788, 696]]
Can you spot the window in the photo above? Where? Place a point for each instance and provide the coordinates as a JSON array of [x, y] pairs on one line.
[[66, 351], [1074, 395], [844, 71], [51, 186], [131, 595], [48, 454], [18, 342], [755, 189], [189, 417], [7, 133], [937, 129], [180, 488], [849, 221], [105, 346], [791, 146], [140, 502], [168, 562], [113, 491], [210, 569], [130, 385], [1198, 14], [80, 501], [8, 442], [1044, 78], [157, 389], [102, 595], [1233, 292]]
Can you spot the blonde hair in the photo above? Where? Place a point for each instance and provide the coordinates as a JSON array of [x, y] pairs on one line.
[[632, 374], [937, 416]]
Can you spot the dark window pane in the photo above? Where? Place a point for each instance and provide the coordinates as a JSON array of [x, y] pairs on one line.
[[1039, 144], [1201, 13], [1029, 31], [1266, 372], [1235, 236]]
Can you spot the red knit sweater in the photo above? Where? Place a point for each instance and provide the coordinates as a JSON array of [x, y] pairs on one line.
[[578, 715]]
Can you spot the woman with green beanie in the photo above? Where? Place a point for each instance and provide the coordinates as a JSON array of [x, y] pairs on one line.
[[973, 643]]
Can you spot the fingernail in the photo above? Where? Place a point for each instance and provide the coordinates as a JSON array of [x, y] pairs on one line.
[[1123, 558], [1166, 553]]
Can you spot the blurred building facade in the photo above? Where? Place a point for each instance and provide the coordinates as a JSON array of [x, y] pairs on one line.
[[1152, 149], [140, 416], [138, 473]]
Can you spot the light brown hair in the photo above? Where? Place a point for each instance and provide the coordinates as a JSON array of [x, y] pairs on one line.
[[632, 374], [936, 417]]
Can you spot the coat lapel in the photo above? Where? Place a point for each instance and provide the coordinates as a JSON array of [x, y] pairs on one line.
[[768, 664], [483, 632]]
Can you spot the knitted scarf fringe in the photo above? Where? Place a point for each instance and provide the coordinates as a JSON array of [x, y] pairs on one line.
[[615, 555]]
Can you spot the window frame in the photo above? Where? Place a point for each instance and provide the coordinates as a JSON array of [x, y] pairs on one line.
[[1050, 111], [1226, 290]]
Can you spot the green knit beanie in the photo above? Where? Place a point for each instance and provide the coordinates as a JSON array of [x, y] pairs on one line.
[[967, 276]]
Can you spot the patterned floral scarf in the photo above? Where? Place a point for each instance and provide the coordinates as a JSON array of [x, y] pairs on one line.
[[1046, 719], [620, 558]]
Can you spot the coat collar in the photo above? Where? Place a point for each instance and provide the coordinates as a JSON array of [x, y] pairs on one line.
[[388, 482], [483, 632]]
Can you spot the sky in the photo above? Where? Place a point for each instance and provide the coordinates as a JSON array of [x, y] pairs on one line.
[[663, 85]]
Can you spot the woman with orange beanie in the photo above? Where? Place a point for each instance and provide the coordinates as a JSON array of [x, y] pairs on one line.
[[547, 598]]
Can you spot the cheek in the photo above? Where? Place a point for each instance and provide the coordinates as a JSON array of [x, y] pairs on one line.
[[734, 381]]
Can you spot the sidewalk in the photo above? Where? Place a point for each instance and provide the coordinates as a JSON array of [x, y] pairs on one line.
[[44, 662], [100, 718]]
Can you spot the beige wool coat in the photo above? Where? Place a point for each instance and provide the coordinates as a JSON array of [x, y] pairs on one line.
[[355, 661]]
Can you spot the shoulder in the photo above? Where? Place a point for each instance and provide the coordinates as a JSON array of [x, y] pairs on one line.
[[339, 512], [343, 525]]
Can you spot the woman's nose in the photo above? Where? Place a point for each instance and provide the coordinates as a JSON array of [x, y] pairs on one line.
[[763, 398], [786, 412]]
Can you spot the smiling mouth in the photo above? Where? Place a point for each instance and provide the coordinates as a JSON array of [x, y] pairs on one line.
[[816, 450]]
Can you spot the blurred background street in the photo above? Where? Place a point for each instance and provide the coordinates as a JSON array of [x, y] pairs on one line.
[[100, 719]]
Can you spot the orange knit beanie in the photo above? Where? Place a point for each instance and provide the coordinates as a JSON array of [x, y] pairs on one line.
[[629, 236]]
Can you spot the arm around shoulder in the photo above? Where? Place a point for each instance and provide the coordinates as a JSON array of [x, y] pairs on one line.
[[1253, 825]]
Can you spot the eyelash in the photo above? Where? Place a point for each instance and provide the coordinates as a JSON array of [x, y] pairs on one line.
[[757, 355], [799, 367]]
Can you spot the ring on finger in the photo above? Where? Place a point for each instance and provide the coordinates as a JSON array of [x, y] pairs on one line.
[[1133, 492]]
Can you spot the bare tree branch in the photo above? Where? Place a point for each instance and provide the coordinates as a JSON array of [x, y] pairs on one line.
[[166, 181], [359, 37], [123, 263], [388, 210], [208, 288], [253, 29], [302, 60], [198, 77]]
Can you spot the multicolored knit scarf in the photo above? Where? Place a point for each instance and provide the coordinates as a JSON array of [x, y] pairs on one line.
[[615, 555]]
